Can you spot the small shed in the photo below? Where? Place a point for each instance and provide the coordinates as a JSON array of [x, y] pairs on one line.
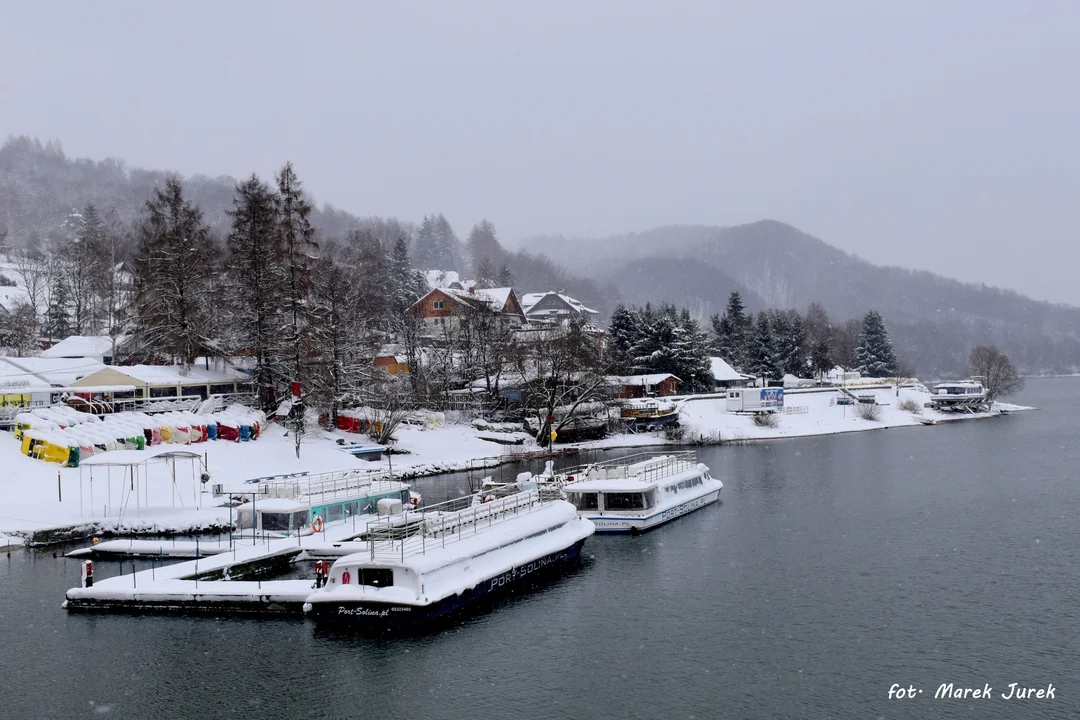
[[726, 376], [636, 386]]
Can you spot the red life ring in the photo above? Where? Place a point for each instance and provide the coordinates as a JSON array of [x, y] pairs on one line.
[[317, 524]]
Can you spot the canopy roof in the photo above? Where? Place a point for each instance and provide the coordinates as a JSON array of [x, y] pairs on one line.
[[129, 458]]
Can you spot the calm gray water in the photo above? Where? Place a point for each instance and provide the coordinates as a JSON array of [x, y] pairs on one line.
[[834, 568]]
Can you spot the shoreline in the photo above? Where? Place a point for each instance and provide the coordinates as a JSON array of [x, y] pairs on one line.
[[29, 488]]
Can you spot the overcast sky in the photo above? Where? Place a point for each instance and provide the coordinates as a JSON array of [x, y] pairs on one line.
[[936, 135]]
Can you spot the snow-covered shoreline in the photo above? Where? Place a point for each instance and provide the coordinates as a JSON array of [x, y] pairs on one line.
[[32, 501]]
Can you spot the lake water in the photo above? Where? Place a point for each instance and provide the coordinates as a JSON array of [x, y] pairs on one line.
[[833, 568]]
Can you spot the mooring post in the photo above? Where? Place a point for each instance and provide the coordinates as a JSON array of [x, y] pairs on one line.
[[59, 491]]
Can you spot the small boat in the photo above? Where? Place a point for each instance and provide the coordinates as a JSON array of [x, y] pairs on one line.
[[639, 492], [425, 563], [966, 396], [649, 414]]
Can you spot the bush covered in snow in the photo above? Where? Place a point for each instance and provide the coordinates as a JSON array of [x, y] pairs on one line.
[[868, 411], [766, 420], [911, 405]]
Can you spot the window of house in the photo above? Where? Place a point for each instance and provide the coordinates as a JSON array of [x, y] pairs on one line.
[[437, 305]]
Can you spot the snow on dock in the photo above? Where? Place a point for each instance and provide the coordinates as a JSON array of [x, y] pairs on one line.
[[150, 549], [205, 585]]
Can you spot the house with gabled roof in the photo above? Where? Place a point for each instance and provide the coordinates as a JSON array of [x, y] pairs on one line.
[[443, 308], [555, 307]]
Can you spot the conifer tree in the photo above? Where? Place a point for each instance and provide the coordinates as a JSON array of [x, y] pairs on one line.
[[58, 314], [761, 360], [403, 288], [298, 248], [623, 332], [173, 271], [791, 345], [874, 353], [255, 284], [732, 331], [506, 277]]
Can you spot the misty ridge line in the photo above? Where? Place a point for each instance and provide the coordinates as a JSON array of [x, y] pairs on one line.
[[934, 320]]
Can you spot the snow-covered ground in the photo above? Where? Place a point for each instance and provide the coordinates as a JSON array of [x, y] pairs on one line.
[[813, 414], [29, 495]]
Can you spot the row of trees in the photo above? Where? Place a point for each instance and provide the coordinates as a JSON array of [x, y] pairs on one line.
[[782, 342], [660, 340]]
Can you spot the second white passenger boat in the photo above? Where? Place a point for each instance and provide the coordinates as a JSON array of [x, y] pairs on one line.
[[637, 493]]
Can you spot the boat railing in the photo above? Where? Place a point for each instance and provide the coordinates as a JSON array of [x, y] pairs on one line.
[[415, 532], [319, 487], [644, 465]]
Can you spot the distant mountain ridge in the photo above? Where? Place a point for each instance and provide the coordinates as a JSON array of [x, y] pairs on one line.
[[934, 320]]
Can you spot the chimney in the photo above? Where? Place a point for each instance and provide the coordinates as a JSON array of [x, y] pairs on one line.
[[472, 289]]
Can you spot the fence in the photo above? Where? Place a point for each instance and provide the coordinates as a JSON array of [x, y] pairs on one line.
[[645, 465], [796, 409]]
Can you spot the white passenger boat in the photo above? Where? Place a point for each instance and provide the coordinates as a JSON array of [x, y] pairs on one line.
[[639, 492], [425, 563]]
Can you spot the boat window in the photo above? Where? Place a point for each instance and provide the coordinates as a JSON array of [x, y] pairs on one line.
[[274, 521], [583, 501], [376, 577], [351, 508], [335, 512], [299, 519], [367, 506], [624, 501], [651, 498]]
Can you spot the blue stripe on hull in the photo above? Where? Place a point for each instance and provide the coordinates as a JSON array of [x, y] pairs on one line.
[[379, 614]]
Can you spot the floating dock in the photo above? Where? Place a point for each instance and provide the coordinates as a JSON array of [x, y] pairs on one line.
[[225, 582]]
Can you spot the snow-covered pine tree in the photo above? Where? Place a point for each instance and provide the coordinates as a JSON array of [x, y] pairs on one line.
[[761, 360], [485, 273], [298, 247], [58, 314], [506, 277], [80, 262], [482, 246], [255, 285], [174, 265], [623, 333], [791, 346], [402, 281], [821, 359], [694, 367], [874, 353], [732, 331], [448, 247]]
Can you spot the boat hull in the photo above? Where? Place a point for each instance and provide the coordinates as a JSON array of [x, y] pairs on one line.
[[384, 614], [636, 524]]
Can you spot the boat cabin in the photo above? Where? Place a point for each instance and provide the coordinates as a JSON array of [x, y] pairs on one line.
[[627, 496], [960, 389], [277, 516]]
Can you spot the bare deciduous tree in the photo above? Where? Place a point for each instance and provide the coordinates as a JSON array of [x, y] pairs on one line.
[[998, 374]]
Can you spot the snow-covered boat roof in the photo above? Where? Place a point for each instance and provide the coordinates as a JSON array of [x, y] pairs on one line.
[[276, 505], [722, 371], [616, 485]]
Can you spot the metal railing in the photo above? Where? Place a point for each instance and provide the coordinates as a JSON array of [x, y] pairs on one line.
[[644, 465], [415, 532], [324, 487]]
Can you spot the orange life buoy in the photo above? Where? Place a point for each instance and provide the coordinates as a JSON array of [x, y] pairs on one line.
[[317, 524]]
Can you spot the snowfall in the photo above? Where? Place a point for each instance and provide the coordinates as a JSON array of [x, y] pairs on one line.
[[37, 495]]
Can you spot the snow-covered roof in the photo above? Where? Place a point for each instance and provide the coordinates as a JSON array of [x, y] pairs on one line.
[[529, 300], [55, 371], [14, 379], [647, 380], [171, 375], [128, 458], [722, 371], [83, 346]]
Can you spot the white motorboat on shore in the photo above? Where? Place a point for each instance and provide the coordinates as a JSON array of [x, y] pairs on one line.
[[425, 563], [640, 492]]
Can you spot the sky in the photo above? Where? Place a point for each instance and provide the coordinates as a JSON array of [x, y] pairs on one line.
[[930, 135]]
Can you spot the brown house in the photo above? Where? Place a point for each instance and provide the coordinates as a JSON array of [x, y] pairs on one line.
[[638, 386], [442, 308]]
